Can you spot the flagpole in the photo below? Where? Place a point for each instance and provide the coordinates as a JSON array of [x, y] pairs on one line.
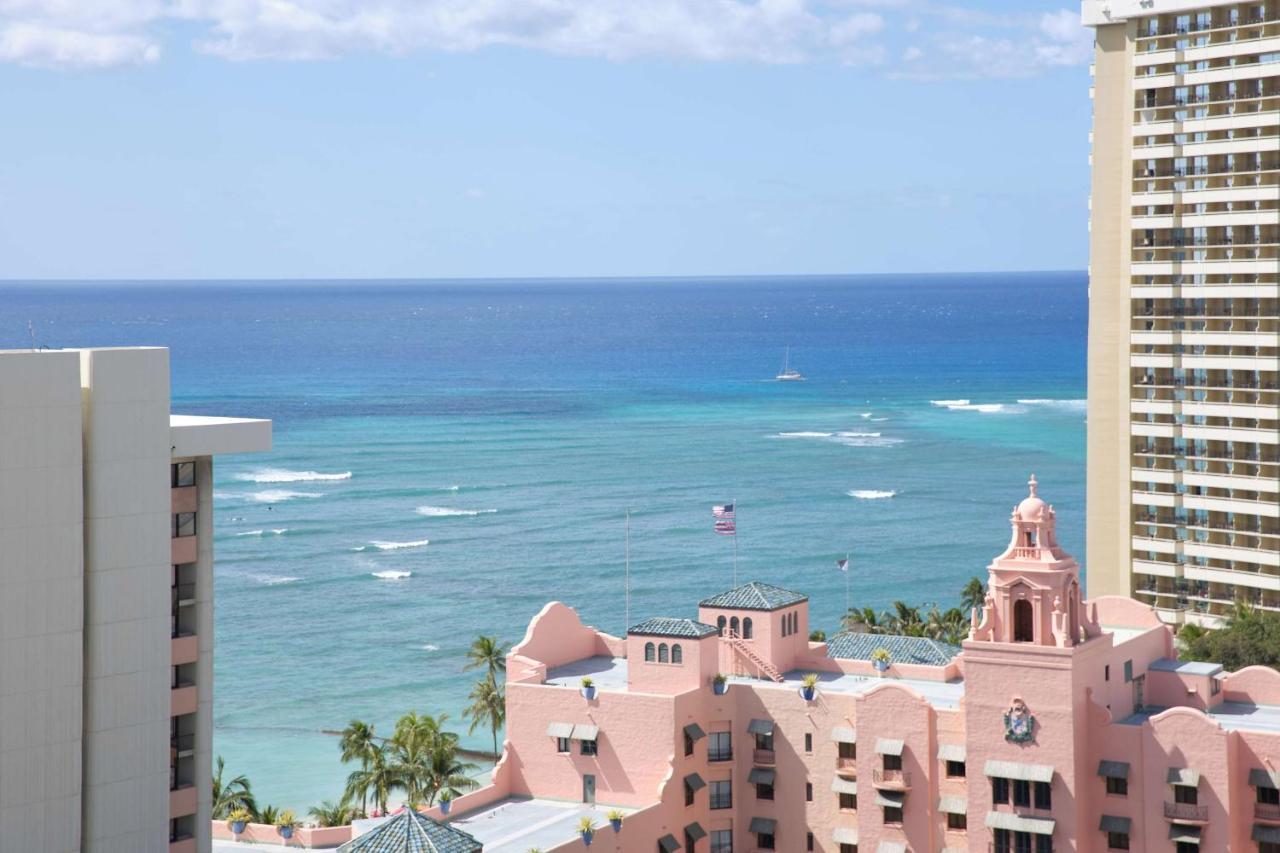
[[735, 543], [627, 571], [846, 584]]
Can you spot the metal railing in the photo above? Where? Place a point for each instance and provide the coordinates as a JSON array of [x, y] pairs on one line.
[[891, 777], [1186, 811]]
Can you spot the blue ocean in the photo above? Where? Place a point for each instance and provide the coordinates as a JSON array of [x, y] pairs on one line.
[[449, 456]]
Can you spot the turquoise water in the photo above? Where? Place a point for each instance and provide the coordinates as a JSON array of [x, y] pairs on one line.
[[511, 424]]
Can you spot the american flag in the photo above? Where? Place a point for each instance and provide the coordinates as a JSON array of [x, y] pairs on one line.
[[725, 511], [726, 527]]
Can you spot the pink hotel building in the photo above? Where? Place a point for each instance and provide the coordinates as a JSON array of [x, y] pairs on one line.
[[1062, 724]]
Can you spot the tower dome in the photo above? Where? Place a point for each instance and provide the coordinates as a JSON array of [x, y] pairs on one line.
[[1032, 507]]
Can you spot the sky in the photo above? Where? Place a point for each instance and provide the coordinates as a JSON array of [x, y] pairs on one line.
[[159, 139]]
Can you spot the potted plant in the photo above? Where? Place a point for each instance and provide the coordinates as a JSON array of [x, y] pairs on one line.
[[588, 829], [286, 823], [446, 801], [615, 819], [809, 687], [719, 684], [880, 659], [588, 687], [237, 820]]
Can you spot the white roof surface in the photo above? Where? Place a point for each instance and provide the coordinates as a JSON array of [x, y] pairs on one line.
[[200, 435]]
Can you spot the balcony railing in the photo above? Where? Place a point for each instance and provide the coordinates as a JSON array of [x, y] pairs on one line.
[[762, 756], [891, 778], [847, 766], [1186, 811], [1266, 811]]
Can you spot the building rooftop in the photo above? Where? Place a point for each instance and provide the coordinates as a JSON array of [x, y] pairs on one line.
[[412, 832], [516, 825], [914, 650], [665, 627], [1231, 716], [198, 435], [754, 596], [607, 673], [1185, 667]]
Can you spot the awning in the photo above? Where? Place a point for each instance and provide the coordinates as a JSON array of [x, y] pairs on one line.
[[893, 799], [760, 727], [668, 843], [844, 734], [888, 746], [1260, 778], [560, 730], [1113, 769], [845, 786], [694, 781], [1180, 832], [1183, 776], [585, 731], [695, 831], [951, 752], [694, 731], [953, 805], [763, 824], [1111, 823], [1014, 770], [891, 847], [1018, 823], [1270, 834], [845, 835], [761, 776]]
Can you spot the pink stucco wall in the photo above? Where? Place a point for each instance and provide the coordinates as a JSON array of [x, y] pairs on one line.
[[304, 838]]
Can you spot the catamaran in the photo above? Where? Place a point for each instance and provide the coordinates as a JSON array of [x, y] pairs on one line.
[[789, 374]]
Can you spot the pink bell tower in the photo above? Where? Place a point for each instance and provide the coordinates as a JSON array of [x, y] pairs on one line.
[[1033, 588]]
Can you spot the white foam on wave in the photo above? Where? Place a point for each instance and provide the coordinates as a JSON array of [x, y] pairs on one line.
[[866, 416], [969, 406], [275, 496], [429, 647], [858, 434], [949, 404], [391, 575], [804, 435], [870, 494], [1073, 405], [251, 533], [277, 531], [283, 475], [396, 546], [849, 438], [446, 512], [274, 580]]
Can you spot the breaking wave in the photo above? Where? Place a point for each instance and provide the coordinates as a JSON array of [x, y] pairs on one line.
[[282, 475], [275, 496], [969, 406], [446, 512], [396, 546], [274, 580], [391, 575], [870, 494]]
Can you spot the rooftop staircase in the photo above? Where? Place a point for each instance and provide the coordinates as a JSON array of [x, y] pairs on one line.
[[743, 648]]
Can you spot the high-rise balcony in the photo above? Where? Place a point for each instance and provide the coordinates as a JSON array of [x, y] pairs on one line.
[[1266, 812], [1186, 812], [184, 648], [183, 699], [183, 800], [897, 780], [763, 756], [847, 766], [183, 549]]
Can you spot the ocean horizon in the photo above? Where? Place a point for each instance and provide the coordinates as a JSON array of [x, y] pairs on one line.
[[451, 455]]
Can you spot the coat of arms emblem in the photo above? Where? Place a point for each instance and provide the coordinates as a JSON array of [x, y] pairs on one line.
[[1019, 723]]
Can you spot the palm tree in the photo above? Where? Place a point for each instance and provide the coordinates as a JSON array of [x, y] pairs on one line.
[[358, 743], [487, 653], [973, 596], [488, 705], [446, 773], [267, 815], [328, 814], [409, 752], [378, 778], [231, 795], [864, 621], [951, 626], [905, 620]]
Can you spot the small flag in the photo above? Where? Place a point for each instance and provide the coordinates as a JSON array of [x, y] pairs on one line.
[[725, 511], [843, 565], [726, 528]]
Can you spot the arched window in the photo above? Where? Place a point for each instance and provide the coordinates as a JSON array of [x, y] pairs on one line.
[[720, 622], [795, 622], [662, 653], [746, 628], [786, 624], [648, 652], [1023, 622], [677, 655], [733, 626]]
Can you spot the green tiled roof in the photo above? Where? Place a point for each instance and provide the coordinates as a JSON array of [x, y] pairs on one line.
[[754, 596], [916, 650], [411, 832], [664, 627]]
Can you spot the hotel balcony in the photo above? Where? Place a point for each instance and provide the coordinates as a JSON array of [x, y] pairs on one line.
[[1186, 812], [182, 499], [183, 699], [895, 780], [184, 648], [184, 549], [1266, 812], [182, 800], [183, 844], [763, 756], [847, 767]]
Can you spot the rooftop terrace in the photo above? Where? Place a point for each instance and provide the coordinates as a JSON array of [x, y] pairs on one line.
[[1231, 716], [514, 825]]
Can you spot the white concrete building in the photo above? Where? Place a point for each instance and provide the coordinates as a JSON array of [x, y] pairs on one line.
[[1184, 329], [106, 603]]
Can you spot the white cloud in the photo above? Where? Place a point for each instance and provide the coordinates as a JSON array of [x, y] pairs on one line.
[[102, 33]]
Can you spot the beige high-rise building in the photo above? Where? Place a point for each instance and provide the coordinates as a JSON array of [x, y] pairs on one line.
[[1183, 473], [106, 603]]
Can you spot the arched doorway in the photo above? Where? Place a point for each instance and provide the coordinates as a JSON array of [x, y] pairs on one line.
[[1024, 629]]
